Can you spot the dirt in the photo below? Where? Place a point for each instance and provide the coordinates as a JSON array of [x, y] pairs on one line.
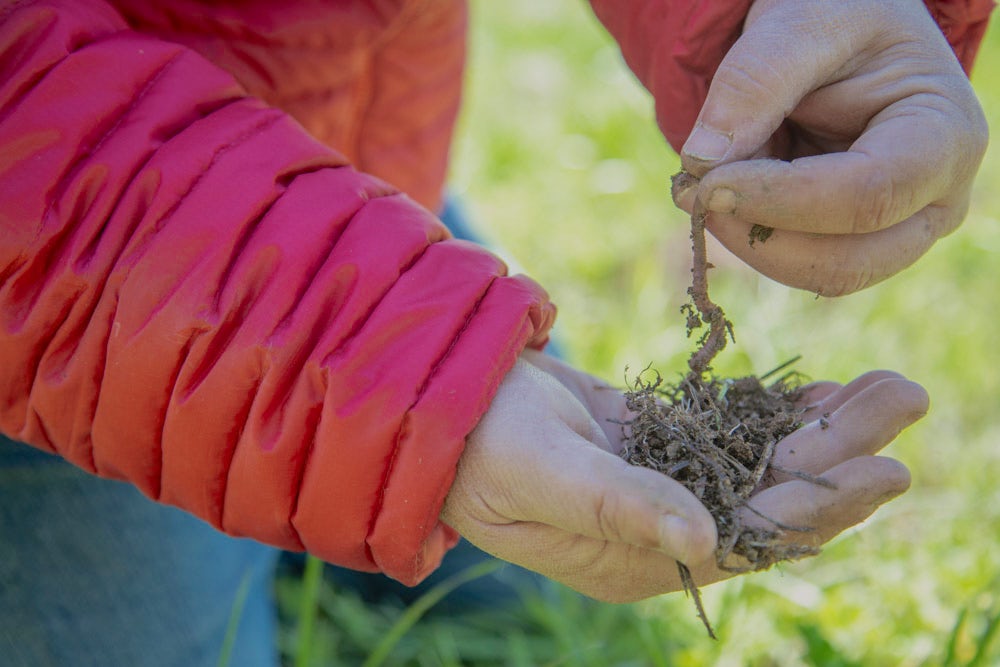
[[717, 436]]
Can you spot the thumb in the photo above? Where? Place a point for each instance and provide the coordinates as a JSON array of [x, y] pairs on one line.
[[777, 61], [587, 491]]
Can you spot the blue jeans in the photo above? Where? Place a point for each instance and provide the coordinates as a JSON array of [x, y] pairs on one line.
[[94, 573]]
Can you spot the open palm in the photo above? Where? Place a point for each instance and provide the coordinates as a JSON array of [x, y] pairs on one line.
[[554, 496]]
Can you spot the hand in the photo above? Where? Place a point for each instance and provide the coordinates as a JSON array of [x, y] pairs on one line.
[[604, 402], [877, 132], [538, 484], [845, 427]]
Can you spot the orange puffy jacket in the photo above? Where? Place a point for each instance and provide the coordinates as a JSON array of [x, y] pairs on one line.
[[207, 285]]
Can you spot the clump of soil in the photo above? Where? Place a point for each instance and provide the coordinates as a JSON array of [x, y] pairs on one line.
[[717, 436]]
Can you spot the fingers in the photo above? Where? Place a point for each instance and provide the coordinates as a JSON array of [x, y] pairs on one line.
[[814, 393], [861, 485], [579, 515], [833, 395], [837, 193], [865, 423], [771, 67], [899, 166], [845, 221], [901, 132], [829, 264], [536, 457], [586, 491], [534, 488], [887, 132], [617, 572]]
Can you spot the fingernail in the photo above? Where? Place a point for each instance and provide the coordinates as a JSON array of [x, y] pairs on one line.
[[722, 200], [707, 145], [684, 198], [680, 188], [675, 536]]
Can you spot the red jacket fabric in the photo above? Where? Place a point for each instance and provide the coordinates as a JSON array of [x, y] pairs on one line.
[[208, 286], [675, 46]]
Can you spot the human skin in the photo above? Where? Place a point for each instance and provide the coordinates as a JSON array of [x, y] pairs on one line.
[[540, 483], [847, 127]]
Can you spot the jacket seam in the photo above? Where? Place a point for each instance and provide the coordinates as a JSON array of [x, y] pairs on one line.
[[397, 440], [347, 337], [164, 414], [201, 374], [156, 226], [115, 263], [255, 130], [230, 455], [71, 169], [36, 363], [100, 380]]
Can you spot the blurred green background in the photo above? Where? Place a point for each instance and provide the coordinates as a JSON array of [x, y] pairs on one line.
[[560, 162]]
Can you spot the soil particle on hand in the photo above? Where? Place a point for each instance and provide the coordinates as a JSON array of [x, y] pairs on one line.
[[760, 233]]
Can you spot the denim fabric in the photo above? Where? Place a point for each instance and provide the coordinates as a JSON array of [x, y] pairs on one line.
[[94, 573]]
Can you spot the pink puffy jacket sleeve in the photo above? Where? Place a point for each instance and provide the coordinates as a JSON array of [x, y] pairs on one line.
[[197, 297], [675, 46]]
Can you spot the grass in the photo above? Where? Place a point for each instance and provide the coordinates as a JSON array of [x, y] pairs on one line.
[[235, 615], [305, 620], [423, 604], [560, 162]]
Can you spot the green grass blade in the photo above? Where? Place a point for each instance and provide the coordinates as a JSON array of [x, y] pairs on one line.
[[653, 645], [312, 578], [239, 604], [985, 640], [952, 646], [415, 611], [819, 649]]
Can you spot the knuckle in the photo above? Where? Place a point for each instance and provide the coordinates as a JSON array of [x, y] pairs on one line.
[[611, 518], [751, 77], [976, 129], [631, 514], [873, 377], [943, 220], [608, 513], [878, 203], [846, 277]]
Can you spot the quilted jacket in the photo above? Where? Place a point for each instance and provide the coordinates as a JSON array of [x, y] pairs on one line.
[[219, 276]]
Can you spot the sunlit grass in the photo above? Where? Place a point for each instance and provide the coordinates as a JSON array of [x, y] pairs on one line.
[[559, 160]]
